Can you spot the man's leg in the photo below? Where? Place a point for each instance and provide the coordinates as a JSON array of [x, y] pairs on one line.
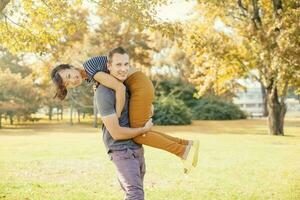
[[140, 155], [130, 174]]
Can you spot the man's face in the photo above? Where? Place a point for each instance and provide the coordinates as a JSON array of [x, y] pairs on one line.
[[71, 77], [119, 66]]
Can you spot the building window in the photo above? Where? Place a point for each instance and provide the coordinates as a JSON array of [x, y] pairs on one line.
[[251, 105]]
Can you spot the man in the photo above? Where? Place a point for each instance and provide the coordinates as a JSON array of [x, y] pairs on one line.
[[127, 156]]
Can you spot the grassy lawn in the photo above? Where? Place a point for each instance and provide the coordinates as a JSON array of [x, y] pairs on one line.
[[238, 160]]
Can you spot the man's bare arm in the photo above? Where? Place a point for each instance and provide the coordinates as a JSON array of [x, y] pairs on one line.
[[118, 132]]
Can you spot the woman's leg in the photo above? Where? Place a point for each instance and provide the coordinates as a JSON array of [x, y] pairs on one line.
[[142, 95], [159, 141], [175, 139]]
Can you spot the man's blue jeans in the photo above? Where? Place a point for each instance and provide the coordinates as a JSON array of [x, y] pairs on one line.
[[131, 168]]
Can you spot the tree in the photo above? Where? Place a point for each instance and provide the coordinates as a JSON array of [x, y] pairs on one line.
[[236, 39], [113, 32], [18, 95], [39, 26], [141, 15], [13, 62], [47, 92], [169, 55]]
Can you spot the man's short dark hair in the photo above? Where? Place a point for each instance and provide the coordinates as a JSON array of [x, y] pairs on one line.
[[61, 90], [119, 50]]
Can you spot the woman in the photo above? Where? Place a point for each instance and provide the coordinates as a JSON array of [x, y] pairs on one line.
[[141, 97]]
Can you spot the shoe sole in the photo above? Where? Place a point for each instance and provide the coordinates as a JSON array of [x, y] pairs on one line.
[[196, 155]]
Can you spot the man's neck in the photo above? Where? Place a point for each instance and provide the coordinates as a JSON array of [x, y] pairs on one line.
[[115, 77]]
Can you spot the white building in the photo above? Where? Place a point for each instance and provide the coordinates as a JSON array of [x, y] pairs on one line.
[[250, 101]]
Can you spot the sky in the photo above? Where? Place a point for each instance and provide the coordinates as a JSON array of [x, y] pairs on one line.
[[177, 11]]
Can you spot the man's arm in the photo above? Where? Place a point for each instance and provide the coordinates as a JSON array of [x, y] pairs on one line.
[[105, 100], [118, 132]]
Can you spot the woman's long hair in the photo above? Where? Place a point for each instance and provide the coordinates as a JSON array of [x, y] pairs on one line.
[[61, 90]]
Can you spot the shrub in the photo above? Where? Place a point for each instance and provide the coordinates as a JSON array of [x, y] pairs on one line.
[[171, 111], [214, 109], [178, 89]]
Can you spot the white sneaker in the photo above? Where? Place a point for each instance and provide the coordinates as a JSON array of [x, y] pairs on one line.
[[192, 157]]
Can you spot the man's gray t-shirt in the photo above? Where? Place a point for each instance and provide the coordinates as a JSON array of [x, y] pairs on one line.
[[106, 101]]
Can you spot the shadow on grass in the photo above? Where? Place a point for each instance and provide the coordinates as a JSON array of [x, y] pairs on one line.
[[46, 128], [240, 127]]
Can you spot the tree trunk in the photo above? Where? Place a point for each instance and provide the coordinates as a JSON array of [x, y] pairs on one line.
[[10, 115], [78, 115], [57, 114], [264, 100], [50, 112], [62, 113], [0, 120], [11, 120], [277, 4], [277, 112], [71, 114], [95, 112], [256, 17], [3, 4]]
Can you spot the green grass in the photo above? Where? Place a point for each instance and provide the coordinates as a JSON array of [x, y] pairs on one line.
[[238, 160]]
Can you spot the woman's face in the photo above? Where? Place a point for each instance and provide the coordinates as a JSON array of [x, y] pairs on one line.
[[71, 77]]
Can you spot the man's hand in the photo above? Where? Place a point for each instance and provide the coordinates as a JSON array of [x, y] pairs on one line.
[[148, 125], [118, 132], [152, 110]]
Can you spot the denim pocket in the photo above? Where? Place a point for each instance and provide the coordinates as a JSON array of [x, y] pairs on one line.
[[122, 155]]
